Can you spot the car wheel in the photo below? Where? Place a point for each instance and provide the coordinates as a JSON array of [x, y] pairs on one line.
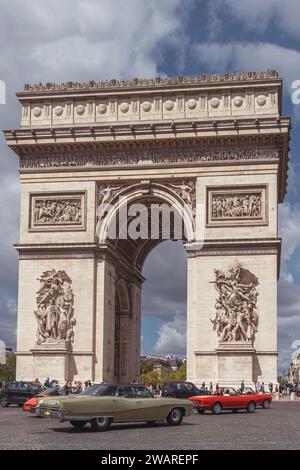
[[217, 408], [175, 417], [266, 404], [251, 407], [101, 424], [4, 402], [78, 424], [201, 412]]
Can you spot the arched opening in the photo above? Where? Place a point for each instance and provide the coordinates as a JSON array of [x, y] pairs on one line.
[[164, 301], [128, 251]]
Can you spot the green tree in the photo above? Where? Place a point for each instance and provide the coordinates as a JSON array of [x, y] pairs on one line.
[[8, 370], [146, 366], [180, 374]]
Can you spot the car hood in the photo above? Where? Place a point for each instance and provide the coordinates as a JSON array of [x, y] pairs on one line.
[[57, 401]]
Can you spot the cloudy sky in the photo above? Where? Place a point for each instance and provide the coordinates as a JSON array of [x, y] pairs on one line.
[[78, 40]]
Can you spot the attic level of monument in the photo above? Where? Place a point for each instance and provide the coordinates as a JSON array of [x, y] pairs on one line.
[[175, 99]]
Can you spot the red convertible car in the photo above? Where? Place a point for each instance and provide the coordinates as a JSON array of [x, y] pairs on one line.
[[230, 399]]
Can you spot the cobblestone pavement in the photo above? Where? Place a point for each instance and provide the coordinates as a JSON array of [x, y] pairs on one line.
[[276, 428]]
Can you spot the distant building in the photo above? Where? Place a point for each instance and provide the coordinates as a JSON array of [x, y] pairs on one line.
[[165, 362]]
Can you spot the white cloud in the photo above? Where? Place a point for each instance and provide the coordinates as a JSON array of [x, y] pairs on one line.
[[258, 15], [289, 229], [73, 40], [240, 56], [172, 337], [88, 39]]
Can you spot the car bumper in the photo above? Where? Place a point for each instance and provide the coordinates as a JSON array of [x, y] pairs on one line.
[[201, 406], [47, 412]]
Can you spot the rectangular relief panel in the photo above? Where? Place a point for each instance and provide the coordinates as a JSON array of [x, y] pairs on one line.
[[57, 211], [237, 205]]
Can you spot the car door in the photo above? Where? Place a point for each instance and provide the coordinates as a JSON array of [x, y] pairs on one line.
[[125, 404], [12, 392], [16, 393], [28, 391], [148, 407], [24, 392]]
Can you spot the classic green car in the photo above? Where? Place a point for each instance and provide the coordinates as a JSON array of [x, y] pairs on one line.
[[103, 404]]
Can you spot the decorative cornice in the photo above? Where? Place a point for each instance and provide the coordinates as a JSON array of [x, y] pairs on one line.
[[158, 130], [238, 247], [54, 153], [152, 82]]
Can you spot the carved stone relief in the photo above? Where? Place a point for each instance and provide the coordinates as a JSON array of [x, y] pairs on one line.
[[55, 312], [57, 211], [143, 156], [236, 317], [235, 206]]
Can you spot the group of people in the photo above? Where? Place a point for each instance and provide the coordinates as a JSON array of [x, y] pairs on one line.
[[259, 388], [68, 388]]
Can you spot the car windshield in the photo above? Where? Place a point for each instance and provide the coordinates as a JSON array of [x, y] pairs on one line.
[[50, 391], [229, 391], [100, 390]]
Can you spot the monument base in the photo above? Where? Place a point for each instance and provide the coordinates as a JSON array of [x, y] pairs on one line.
[[235, 364], [53, 359]]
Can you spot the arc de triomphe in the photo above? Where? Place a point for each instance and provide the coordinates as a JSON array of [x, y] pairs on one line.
[[216, 143]]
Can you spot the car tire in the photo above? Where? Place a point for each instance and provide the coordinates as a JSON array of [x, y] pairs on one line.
[[251, 407], [201, 412], [100, 424], [78, 424], [175, 416], [217, 408], [4, 402], [266, 404]]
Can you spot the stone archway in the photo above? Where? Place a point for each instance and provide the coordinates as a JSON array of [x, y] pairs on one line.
[[161, 208], [218, 144]]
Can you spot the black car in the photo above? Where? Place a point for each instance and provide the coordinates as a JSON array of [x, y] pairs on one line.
[[18, 392], [182, 390]]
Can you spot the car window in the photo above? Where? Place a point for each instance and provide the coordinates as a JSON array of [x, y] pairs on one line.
[[127, 392], [101, 390], [143, 392], [190, 386], [181, 386], [27, 387], [11, 386]]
